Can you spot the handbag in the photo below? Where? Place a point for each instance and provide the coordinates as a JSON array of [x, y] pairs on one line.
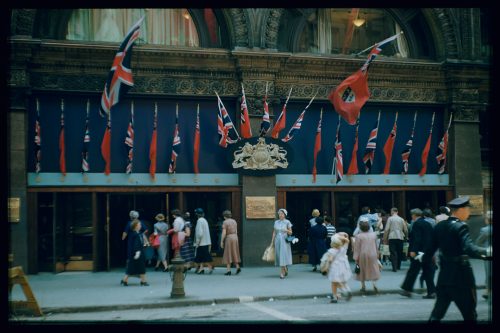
[[357, 270], [154, 240], [269, 253], [290, 238]]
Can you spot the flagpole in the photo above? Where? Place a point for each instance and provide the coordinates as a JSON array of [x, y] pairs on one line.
[[382, 42], [289, 95], [432, 122], [449, 122]]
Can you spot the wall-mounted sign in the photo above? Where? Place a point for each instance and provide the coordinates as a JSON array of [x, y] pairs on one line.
[[14, 206], [476, 204], [260, 207]]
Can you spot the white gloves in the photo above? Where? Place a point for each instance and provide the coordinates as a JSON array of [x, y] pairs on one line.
[[419, 256], [295, 240], [137, 255]]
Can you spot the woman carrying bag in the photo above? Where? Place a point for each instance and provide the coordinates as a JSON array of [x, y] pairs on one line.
[[282, 248]]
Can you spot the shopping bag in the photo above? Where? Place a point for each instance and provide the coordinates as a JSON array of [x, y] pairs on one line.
[[269, 253], [385, 250]]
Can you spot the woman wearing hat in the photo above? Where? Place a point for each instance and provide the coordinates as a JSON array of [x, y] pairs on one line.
[[161, 228], [203, 243], [282, 249]]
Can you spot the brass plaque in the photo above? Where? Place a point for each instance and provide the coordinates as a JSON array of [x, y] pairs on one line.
[[260, 207], [476, 204], [14, 209]]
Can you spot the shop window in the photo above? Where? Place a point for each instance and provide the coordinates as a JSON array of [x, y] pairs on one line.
[[349, 31], [172, 27]]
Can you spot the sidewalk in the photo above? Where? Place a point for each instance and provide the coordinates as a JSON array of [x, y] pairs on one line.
[[88, 291]]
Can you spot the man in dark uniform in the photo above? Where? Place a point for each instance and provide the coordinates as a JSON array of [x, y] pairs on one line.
[[456, 280], [421, 235]]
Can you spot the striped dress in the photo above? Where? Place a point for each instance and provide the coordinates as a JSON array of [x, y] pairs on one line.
[[187, 249], [330, 231]]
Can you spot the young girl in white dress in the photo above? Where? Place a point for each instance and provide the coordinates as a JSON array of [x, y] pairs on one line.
[[340, 270]]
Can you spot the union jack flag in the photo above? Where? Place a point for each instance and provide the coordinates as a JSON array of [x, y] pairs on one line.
[[86, 140], [266, 121], [405, 155], [38, 140], [371, 146], [442, 150], [338, 163], [120, 71], [176, 145], [129, 140], [225, 126], [296, 126]]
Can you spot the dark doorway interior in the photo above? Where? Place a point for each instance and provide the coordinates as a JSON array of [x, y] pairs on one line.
[[213, 204], [147, 204], [299, 206]]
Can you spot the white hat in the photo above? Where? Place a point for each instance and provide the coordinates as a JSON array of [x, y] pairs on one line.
[[134, 214], [283, 210]]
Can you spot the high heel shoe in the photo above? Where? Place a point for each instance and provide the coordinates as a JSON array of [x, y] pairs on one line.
[[123, 283], [228, 273], [144, 284], [282, 276], [238, 271]]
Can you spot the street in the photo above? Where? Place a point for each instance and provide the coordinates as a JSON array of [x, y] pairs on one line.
[[390, 308]]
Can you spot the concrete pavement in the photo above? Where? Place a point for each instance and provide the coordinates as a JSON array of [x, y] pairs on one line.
[[89, 291]]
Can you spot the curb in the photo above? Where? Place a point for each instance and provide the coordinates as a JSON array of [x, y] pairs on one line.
[[229, 300]]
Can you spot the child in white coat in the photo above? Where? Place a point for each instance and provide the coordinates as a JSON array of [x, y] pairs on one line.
[[339, 270]]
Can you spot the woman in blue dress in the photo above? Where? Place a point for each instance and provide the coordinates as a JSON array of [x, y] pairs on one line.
[[282, 249]]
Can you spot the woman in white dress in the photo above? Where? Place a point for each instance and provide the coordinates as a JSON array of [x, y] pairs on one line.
[[340, 270], [283, 249]]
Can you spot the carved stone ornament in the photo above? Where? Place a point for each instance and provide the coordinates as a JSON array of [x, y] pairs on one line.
[[261, 156]]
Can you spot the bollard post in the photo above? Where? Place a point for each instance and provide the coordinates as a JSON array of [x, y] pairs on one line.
[[178, 277]]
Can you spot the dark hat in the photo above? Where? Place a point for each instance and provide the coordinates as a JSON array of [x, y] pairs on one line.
[[459, 202], [198, 211]]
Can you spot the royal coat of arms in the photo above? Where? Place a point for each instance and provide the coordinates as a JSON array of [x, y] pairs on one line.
[[260, 156]]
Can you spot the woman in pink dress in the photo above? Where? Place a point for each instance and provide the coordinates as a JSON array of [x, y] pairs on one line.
[[229, 242], [366, 255]]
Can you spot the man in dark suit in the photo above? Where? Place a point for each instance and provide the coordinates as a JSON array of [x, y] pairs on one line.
[[420, 242], [456, 280]]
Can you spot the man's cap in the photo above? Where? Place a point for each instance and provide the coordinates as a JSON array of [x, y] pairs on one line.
[[416, 211], [198, 211], [459, 202]]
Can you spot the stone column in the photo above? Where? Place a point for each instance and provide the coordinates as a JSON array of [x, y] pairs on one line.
[[258, 232]]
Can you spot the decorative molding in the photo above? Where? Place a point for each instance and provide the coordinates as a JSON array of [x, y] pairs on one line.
[[272, 27], [465, 113], [240, 27], [22, 22], [447, 27]]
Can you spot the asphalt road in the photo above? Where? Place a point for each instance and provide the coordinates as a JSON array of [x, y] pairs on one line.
[[384, 308]]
